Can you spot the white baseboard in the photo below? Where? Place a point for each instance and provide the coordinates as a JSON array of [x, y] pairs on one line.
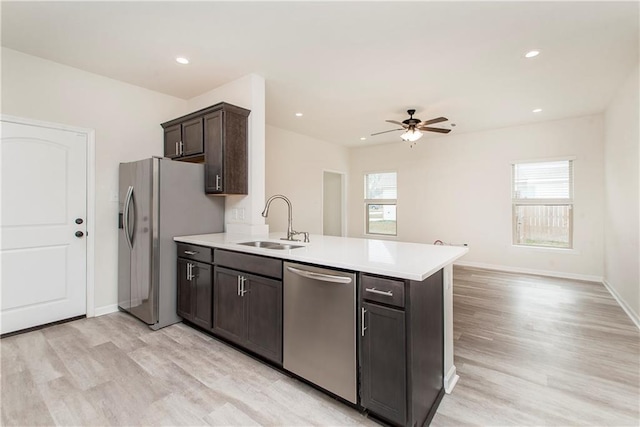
[[560, 274], [632, 315], [450, 380], [106, 309]]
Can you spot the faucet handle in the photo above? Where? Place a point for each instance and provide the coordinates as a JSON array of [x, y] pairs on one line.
[[295, 233]]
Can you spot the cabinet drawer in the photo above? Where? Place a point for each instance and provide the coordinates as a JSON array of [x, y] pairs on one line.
[[250, 263], [196, 253], [387, 291]]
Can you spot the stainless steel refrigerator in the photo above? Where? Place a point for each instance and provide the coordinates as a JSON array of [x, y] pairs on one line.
[[159, 199]]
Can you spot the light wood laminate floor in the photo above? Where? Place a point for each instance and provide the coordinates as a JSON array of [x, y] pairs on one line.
[[530, 350]]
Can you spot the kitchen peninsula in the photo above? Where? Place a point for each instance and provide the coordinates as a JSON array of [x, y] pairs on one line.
[[399, 295]]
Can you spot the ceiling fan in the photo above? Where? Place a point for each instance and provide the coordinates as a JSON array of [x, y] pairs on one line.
[[413, 127]]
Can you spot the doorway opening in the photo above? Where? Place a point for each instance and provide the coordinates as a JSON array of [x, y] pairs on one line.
[[333, 204]]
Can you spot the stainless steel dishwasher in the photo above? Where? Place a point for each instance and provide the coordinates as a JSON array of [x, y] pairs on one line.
[[320, 327]]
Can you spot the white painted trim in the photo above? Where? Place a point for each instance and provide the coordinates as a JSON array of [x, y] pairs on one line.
[[91, 222], [450, 380], [544, 159], [560, 274], [91, 190], [557, 251], [632, 315], [105, 309]]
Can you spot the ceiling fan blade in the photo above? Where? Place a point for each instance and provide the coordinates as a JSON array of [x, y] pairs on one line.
[[396, 123], [428, 129], [432, 121], [392, 130]]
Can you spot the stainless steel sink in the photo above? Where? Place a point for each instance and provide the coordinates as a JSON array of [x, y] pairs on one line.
[[270, 245]]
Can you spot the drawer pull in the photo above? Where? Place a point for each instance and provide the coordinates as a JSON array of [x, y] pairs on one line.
[[190, 252], [375, 291]]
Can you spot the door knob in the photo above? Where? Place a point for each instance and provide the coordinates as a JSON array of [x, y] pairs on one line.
[[79, 221], [79, 234]]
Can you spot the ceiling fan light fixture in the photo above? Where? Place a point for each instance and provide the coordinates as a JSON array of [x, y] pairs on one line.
[[411, 135]]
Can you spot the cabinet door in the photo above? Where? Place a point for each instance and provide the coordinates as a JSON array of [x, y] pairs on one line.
[[184, 309], [201, 294], [213, 140], [384, 385], [192, 138], [263, 303], [172, 138], [228, 305]]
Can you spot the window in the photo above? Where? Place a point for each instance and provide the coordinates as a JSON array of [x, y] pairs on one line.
[[380, 193], [542, 201]]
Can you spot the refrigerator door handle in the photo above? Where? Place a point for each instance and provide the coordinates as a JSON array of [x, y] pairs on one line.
[[125, 220]]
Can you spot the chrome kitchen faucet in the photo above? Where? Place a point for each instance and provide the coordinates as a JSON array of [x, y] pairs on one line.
[[290, 232]]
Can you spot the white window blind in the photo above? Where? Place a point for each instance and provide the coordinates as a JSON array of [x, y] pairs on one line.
[[544, 181], [381, 186]]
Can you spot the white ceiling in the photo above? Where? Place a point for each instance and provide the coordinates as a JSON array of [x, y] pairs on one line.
[[348, 66]]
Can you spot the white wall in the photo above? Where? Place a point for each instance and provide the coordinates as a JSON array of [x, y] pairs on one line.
[[126, 120], [457, 188], [247, 92], [622, 195], [294, 168]]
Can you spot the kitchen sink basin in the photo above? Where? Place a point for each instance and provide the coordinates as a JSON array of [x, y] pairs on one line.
[[270, 245]]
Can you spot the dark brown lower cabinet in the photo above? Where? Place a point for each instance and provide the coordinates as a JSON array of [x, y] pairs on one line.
[[194, 292], [402, 348], [384, 378], [248, 311]]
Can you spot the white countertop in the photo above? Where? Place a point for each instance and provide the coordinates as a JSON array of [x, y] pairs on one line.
[[413, 261]]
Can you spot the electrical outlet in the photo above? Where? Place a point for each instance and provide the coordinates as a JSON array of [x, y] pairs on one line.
[[240, 214]]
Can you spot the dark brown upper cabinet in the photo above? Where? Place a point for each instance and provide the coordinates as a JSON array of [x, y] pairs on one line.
[[185, 141], [218, 137]]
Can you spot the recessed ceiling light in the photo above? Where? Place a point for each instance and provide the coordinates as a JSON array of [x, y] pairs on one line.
[[181, 60], [298, 114], [537, 110], [362, 138], [532, 54]]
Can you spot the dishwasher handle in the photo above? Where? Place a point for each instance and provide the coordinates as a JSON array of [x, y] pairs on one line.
[[319, 276]]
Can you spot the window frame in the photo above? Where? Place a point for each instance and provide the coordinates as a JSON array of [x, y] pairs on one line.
[[517, 202], [369, 202]]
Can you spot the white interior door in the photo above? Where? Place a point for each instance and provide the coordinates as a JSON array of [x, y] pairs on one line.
[[44, 195]]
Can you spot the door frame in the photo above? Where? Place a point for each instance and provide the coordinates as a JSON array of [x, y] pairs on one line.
[[91, 203], [343, 196]]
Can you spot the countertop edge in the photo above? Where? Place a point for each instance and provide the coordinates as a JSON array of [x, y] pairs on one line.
[[291, 255]]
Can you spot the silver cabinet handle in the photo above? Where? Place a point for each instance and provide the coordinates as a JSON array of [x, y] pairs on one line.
[[190, 252], [177, 150], [181, 148], [375, 291], [363, 328], [243, 280], [218, 182], [319, 276], [188, 271]]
